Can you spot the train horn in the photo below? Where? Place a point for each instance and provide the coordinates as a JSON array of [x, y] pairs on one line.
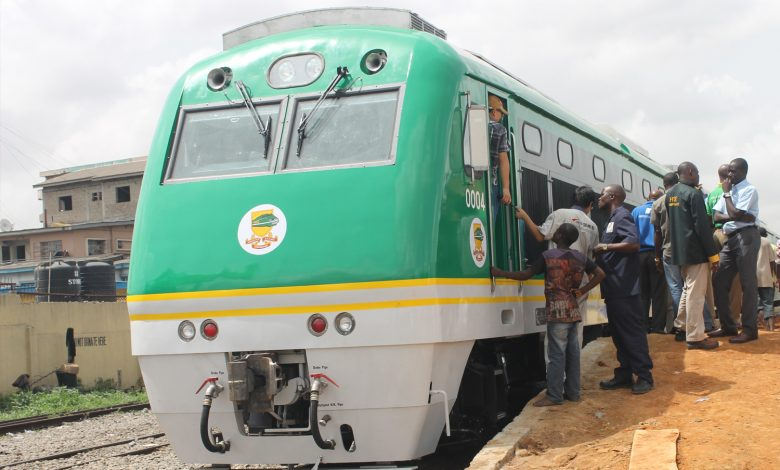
[[219, 78]]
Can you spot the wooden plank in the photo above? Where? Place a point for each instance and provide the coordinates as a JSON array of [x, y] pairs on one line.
[[654, 450]]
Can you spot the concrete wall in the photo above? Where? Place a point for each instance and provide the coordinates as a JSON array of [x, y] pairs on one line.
[[84, 209], [32, 341]]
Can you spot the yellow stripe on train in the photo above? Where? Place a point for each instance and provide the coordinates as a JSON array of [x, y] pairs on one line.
[[309, 309]]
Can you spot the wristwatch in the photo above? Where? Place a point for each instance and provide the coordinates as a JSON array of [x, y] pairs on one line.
[[728, 194]]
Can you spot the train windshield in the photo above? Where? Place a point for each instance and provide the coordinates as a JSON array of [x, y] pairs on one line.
[[219, 142], [356, 129]]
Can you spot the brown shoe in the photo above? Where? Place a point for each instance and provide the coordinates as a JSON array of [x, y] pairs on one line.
[[545, 401], [743, 338], [721, 333]]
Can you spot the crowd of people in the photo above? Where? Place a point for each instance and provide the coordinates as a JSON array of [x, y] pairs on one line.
[[693, 265]]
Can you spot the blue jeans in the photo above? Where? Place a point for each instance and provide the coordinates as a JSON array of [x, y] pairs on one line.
[[674, 279], [766, 300], [563, 350]]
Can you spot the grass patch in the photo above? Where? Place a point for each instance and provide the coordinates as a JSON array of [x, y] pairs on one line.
[[63, 400]]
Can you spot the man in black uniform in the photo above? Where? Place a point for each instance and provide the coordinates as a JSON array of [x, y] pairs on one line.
[[618, 256]]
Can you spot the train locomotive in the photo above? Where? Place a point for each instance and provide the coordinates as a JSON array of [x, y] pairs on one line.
[[310, 277]]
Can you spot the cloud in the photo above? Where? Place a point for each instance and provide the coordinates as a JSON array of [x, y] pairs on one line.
[[722, 87]]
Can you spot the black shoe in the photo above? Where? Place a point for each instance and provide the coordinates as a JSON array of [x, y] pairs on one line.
[[721, 333], [703, 344], [641, 386], [743, 338], [679, 335], [614, 384]]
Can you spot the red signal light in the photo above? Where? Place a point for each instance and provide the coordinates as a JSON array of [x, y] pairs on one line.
[[317, 324], [209, 329]]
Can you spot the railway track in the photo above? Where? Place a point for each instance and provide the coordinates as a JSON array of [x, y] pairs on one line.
[[36, 422], [85, 450]]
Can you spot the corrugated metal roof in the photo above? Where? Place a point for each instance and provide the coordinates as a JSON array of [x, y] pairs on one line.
[[97, 173]]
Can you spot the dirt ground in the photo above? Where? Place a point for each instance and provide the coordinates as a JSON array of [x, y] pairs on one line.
[[725, 403]]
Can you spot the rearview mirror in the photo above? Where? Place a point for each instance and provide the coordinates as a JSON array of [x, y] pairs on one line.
[[476, 148]]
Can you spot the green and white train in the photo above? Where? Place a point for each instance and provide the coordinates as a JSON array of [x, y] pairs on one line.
[[313, 241]]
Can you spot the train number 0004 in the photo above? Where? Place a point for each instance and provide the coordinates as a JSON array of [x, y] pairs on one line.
[[475, 199]]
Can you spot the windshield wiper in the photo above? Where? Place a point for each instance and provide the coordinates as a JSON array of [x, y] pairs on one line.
[[341, 72], [263, 129]]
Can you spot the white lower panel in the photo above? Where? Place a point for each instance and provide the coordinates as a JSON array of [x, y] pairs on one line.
[[382, 393]]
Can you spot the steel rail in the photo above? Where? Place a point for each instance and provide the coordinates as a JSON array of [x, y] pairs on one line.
[[71, 453], [35, 422]]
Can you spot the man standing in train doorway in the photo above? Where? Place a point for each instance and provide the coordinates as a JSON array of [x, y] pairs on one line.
[[618, 256], [499, 155], [583, 200], [738, 210]]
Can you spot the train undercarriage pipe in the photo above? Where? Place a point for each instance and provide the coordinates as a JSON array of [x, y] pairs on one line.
[[314, 399], [219, 444]]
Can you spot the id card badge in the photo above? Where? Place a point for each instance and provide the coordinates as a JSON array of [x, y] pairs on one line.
[[610, 227]]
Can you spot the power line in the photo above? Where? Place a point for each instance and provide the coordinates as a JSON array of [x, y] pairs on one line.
[[58, 160]]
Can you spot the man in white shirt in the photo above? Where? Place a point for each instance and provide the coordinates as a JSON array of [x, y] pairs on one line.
[[738, 210]]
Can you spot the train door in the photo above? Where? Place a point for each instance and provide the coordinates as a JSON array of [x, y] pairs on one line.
[[504, 232]]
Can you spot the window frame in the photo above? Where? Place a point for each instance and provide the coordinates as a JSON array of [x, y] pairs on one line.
[[541, 138], [630, 180], [558, 149], [129, 194], [603, 167], [282, 121], [646, 184], [40, 248], [291, 136], [121, 249], [105, 246], [61, 202]]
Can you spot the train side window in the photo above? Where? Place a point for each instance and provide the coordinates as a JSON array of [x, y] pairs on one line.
[[628, 181], [532, 139], [647, 188], [599, 168], [353, 130], [565, 154]]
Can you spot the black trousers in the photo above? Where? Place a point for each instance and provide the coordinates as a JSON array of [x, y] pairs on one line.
[[627, 325], [653, 291], [738, 255]]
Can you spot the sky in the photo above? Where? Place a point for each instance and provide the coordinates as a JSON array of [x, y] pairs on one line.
[[84, 81]]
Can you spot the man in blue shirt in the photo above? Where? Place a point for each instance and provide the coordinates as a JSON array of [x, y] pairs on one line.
[[618, 256], [652, 284], [737, 209]]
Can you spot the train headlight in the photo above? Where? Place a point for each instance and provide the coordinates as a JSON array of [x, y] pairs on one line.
[[285, 71], [295, 70], [345, 323], [374, 61], [209, 329], [317, 324], [314, 67], [186, 330]]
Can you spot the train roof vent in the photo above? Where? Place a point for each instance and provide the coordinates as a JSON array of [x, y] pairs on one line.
[[328, 17], [633, 146]]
